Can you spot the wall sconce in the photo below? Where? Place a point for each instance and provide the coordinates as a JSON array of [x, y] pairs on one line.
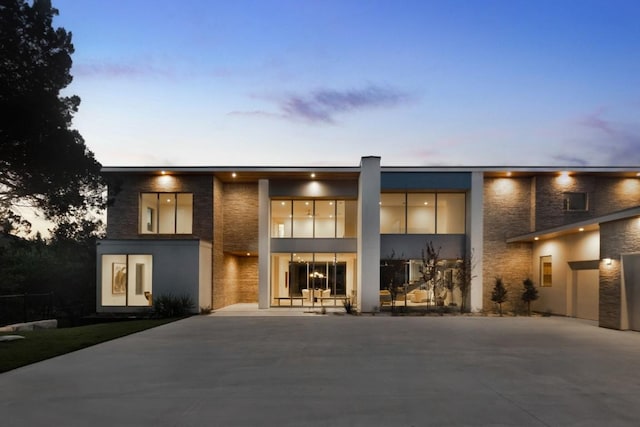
[[607, 261]]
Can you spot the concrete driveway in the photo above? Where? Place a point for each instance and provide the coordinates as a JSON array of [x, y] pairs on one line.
[[336, 370]]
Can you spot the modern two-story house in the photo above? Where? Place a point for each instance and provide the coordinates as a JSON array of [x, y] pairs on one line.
[[307, 236]]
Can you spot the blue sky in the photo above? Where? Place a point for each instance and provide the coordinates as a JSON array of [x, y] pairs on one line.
[[475, 82]]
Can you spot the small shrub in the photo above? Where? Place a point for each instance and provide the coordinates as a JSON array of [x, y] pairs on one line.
[[499, 294], [323, 310], [169, 305], [529, 293], [205, 310], [348, 307]]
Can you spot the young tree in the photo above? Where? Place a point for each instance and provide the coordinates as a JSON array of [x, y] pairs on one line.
[[499, 293], [430, 258], [392, 276], [464, 276], [529, 293], [44, 163]]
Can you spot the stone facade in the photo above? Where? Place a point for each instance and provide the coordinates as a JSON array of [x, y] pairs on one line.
[[605, 195], [616, 238], [217, 264], [240, 205], [123, 214], [507, 213]]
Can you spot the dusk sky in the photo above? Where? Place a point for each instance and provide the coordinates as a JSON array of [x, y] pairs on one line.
[[260, 83]]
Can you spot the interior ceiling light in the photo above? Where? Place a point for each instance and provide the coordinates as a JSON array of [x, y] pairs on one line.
[[163, 172], [536, 238], [233, 174], [313, 175], [581, 229], [509, 174]]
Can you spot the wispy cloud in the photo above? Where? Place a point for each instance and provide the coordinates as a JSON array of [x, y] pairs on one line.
[[119, 70], [323, 105], [618, 143]]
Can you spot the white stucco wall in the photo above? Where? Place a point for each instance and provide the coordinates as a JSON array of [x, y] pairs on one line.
[[580, 246]]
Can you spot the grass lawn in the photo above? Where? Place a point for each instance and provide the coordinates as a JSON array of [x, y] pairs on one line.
[[46, 343]]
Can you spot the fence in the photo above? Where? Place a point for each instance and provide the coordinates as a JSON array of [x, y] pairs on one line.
[[25, 308]]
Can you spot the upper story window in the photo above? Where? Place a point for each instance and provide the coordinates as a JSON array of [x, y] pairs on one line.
[[166, 213], [576, 201], [422, 213], [311, 218]]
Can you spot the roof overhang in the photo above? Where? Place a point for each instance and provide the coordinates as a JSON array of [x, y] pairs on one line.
[[576, 227]]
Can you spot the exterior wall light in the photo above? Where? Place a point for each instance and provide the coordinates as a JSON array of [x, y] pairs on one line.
[[607, 261]]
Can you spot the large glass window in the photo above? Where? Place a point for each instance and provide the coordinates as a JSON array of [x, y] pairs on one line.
[[422, 213], [166, 213], [126, 280], [312, 279], [451, 213], [313, 218], [303, 218], [392, 213]]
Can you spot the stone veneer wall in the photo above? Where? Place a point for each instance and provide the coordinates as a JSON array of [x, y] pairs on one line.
[[616, 238], [218, 264], [123, 213], [240, 283], [240, 204], [507, 213], [235, 219], [606, 195]]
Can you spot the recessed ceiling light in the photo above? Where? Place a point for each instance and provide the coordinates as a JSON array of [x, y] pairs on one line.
[[536, 238], [233, 175], [509, 174], [638, 174], [248, 253], [581, 229], [282, 203], [313, 175], [426, 203], [163, 172]]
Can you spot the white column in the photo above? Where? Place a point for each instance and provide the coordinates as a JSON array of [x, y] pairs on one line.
[[368, 270], [264, 244], [475, 238]]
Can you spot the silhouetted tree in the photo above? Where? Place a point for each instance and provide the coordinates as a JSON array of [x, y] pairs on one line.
[[44, 163]]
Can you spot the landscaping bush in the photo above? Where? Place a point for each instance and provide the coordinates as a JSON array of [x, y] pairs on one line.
[[169, 305]]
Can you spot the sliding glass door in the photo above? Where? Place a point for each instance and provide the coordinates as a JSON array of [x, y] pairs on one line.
[[312, 279]]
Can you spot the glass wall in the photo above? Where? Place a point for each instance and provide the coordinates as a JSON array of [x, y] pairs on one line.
[[451, 213], [392, 213], [166, 213], [312, 279], [127, 280], [422, 213], [313, 218]]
